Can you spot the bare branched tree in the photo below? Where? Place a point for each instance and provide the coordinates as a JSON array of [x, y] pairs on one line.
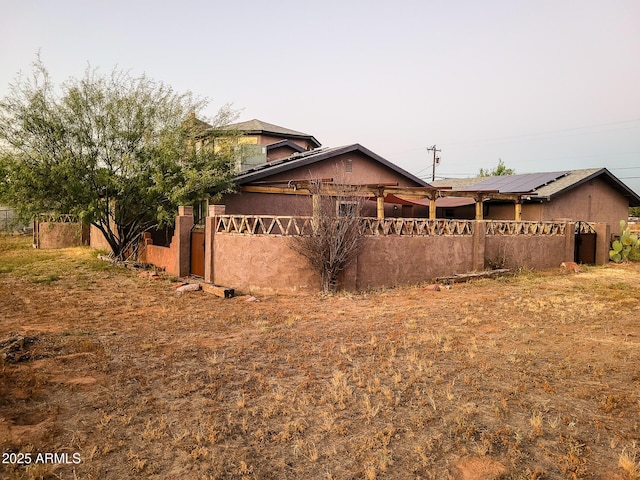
[[336, 238]]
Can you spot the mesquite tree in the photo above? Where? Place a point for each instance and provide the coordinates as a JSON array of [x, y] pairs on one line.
[[336, 238], [115, 150]]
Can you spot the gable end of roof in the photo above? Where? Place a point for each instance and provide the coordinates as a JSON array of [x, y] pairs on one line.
[[590, 174], [313, 156]]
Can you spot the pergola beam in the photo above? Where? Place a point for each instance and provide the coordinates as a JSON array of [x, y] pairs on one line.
[[379, 191]]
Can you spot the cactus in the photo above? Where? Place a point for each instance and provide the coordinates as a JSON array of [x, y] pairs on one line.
[[621, 248]]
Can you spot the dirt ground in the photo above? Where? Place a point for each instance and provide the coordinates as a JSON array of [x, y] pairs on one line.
[[107, 375]]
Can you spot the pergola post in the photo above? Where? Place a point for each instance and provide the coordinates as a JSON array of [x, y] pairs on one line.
[[479, 213], [432, 206], [380, 204], [518, 210]]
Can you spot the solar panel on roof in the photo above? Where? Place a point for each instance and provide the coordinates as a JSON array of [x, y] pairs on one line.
[[517, 183]]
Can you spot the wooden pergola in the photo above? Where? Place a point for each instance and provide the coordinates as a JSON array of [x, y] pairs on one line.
[[326, 187]]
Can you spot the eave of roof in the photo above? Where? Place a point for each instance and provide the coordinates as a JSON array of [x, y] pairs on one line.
[[551, 190], [285, 143], [579, 177], [313, 156]]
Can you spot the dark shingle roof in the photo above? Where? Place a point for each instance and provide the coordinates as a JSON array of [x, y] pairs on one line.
[[258, 126]]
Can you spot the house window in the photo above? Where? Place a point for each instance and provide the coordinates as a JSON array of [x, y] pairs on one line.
[[348, 167], [252, 155], [347, 209]]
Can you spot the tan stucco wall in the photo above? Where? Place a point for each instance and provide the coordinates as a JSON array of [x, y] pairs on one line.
[[389, 261], [364, 171], [97, 239], [261, 264], [268, 265], [266, 139], [594, 201], [280, 153], [502, 211], [535, 252], [264, 264], [58, 235], [248, 203], [164, 258]]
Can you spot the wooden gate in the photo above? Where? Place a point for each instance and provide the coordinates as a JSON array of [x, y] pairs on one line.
[[197, 251], [585, 244]]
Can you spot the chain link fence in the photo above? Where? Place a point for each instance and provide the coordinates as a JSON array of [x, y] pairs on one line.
[[9, 223]]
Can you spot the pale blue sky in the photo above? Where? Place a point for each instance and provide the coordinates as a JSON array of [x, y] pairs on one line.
[[543, 85]]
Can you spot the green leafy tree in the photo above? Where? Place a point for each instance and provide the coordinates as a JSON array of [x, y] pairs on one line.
[[117, 151], [501, 169], [634, 211]]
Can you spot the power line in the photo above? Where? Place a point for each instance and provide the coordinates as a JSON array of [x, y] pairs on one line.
[[546, 132]]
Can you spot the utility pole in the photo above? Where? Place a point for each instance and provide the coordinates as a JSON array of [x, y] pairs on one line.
[[436, 161]]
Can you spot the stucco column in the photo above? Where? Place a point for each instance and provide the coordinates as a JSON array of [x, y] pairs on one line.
[[570, 242], [479, 238], [209, 237], [603, 239], [432, 207], [184, 224]]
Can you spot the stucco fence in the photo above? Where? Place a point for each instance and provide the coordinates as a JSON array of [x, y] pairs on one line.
[[59, 231], [266, 263], [253, 254]]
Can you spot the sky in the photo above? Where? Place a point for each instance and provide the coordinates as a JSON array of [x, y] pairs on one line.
[[543, 85]]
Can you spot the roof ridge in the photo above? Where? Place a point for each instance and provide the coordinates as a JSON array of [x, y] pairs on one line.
[[257, 124]]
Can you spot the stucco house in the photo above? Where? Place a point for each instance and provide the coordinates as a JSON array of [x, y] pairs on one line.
[[278, 169], [256, 142], [266, 189], [278, 142], [589, 195], [273, 158]]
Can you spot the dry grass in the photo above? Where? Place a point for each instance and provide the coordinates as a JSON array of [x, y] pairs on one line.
[[520, 378]]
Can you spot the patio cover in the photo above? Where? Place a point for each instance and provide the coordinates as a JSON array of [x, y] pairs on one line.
[[445, 202]]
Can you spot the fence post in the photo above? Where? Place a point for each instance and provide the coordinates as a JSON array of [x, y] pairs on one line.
[[36, 236], [209, 236], [479, 240], [184, 224], [603, 239]]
